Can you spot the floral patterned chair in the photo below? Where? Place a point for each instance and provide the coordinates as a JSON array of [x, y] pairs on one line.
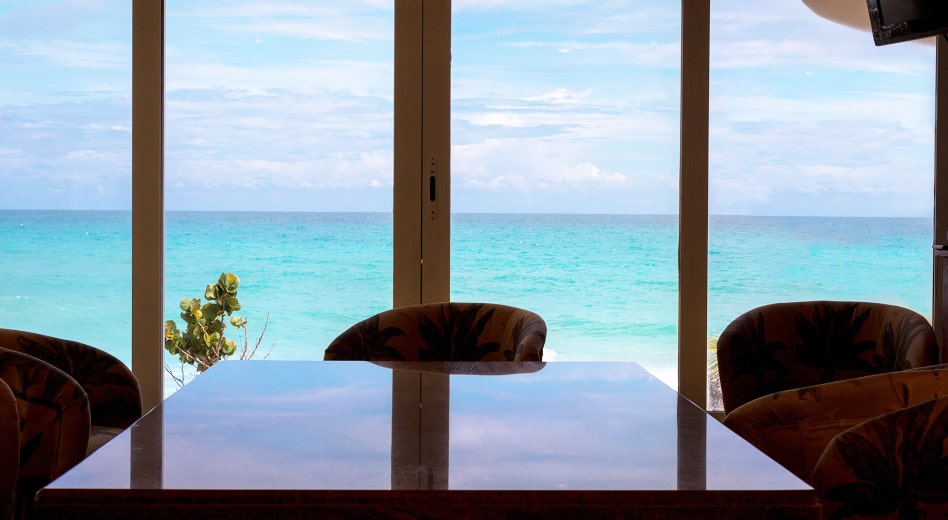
[[871, 446], [70, 399], [114, 394], [9, 449], [839, 436], [53, 424], [797, 344], [892, 466], [448, 331]]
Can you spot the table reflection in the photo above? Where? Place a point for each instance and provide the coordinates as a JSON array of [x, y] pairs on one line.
[[360, 426], [421, 406]]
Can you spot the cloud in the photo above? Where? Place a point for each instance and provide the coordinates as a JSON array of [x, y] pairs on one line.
[[561, 96], [355, 21], [317, 29], [571, 105]]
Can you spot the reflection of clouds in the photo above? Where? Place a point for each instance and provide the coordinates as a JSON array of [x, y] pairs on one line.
[[327, 426], [535, 431], [586, 426], [289, 435]]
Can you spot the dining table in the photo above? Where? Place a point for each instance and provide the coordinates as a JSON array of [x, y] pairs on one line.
[[360, 439]]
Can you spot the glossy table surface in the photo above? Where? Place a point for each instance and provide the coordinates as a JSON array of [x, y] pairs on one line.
[[253, 435]]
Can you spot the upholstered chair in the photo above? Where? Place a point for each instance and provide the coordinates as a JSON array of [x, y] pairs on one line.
[[448, 331], [113, 391], [9, 450], [794, 427], [790, 345], [892, 466], [53, 423]]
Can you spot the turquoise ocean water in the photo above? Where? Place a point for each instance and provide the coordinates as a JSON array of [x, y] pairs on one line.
[[605, 284]]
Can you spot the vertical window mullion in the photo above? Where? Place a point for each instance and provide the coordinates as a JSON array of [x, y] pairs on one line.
[[422, 152], [147, 197], [693, 210], [436, 148]]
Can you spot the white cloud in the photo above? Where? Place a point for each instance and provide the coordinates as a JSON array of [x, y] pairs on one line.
[[300, 96], [561, 96], [72, 53], [353, 21]]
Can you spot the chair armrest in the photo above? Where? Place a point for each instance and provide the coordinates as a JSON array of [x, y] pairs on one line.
[[794, 427], [894, 463], [113, 390]]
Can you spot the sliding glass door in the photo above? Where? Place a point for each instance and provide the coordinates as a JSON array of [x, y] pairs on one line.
[[565, 148], [279, 135]]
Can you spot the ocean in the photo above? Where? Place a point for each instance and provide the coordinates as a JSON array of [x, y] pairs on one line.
[[605, 284]]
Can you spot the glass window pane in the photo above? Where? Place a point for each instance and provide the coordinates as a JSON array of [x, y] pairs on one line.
[[65, 168], [821, 163], [279, 164], [565, 171]]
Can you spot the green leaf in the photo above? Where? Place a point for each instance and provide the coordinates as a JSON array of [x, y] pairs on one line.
[[212, 310], [232, 304], [229, 282]]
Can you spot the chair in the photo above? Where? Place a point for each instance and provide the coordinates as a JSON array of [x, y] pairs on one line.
[[114, 394], [869, 445], [9, 450], [799, 344], [448, 331], [894, 465], [53, 423]]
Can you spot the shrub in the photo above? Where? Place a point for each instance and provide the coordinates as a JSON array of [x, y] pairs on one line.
[[202, 343]]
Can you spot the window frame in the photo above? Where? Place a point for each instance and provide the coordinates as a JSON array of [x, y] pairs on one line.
[[422, 151]]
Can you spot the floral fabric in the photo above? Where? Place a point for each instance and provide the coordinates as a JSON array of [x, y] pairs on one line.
[[794, 427], [66, 393], [114, 393], [444, 332], [799, 344], [9, 449], [54, 421], [892, 466]]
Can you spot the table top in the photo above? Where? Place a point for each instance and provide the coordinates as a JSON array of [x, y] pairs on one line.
[[341, 425]]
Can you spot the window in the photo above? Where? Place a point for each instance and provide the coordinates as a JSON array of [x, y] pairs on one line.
[[565, 149], [65, 168], [821, 163], [279, 164]]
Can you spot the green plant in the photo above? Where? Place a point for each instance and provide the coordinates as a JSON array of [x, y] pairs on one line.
[[203, 343]]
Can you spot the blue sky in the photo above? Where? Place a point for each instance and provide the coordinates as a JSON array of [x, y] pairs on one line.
[[558, 106]]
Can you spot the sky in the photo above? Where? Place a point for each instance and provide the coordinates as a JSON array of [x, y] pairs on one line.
[[561, 106]]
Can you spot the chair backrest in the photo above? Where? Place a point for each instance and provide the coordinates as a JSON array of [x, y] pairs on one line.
[[447, 331], [890, 466], [113, 390], [54, 422], [9, 450], [796, 344]]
